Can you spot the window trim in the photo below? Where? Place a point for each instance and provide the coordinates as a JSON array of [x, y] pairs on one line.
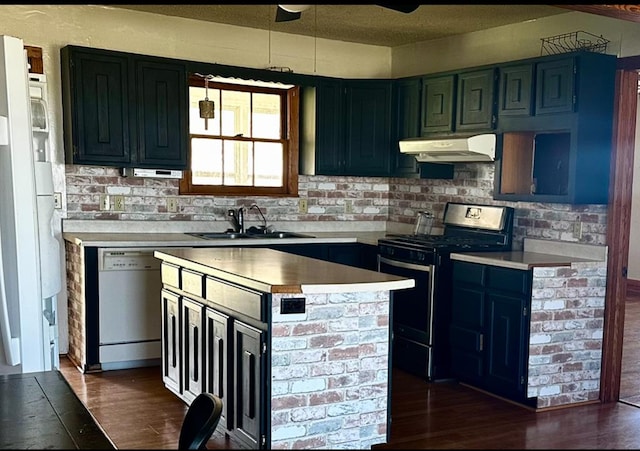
[[290, 130]]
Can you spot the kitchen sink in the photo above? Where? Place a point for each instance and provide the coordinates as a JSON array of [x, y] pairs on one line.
[[238, 235]]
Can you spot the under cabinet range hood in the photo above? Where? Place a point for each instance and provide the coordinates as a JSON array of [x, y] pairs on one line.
[[477, 148]]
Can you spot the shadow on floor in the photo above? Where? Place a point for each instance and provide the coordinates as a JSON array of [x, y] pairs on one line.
[[40, 411]]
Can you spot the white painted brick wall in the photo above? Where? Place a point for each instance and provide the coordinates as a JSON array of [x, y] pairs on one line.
[[565, 346], [329, 387]]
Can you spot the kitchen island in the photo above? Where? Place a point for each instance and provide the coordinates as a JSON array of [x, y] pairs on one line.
[[298, 348]]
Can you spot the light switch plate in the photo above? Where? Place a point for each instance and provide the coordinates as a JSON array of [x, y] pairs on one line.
[[172, 204], [302, 206], [57, 200]]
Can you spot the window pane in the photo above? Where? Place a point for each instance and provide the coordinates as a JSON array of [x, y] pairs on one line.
[[206, 161], [266, 116], [196, 123], [268, 169], [236, 113], [238, 163]]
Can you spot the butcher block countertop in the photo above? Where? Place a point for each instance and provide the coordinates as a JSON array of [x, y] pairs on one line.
[[273, 271], [537, 253]]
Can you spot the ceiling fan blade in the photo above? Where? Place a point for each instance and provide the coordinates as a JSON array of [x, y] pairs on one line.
[[403, 8], [285, 16]]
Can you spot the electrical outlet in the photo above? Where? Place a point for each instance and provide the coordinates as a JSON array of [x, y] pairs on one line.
[[348, 206], [118, 202], [104, 202], [302, 206], [57, 200], [577, 230], [172, 204]]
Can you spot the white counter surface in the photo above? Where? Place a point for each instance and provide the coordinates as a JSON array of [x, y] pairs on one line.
[[538, 253], [127, 239], [280, 272]]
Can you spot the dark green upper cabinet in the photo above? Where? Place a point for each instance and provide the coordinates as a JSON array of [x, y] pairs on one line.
[[368, 123], [560, 153], [438, 105], [555, 86], [124, 110], [476, 107], [346, 128], [516, 90], [161, 114], [406, 124]]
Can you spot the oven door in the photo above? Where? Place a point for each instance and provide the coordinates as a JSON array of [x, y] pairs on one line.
[[412, 317]]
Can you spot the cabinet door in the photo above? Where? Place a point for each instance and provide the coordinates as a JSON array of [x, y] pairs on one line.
[[476, 100], [406, 123], [438, 104], [555, 86], [248, 396], [516, 90], [467, 332], [171, 342], [96, 104], [368, 109], [507, 344], [161, 115], [329, 128], [192, 314], [217, 354]]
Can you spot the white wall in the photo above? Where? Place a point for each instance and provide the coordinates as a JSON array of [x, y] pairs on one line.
[[511, 42]]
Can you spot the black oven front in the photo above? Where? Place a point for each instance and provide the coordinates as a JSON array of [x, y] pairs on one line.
[[412, 317]]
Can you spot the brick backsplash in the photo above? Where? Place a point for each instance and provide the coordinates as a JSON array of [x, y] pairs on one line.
[[373, 199]]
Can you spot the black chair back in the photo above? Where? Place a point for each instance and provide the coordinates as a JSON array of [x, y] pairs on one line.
[[200, 421]]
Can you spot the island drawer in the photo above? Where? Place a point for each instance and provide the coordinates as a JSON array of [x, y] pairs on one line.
[[240, 299], [170, 274], [192, 282]]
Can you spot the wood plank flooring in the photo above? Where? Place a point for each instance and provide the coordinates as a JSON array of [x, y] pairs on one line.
[[630, 374], [137, 412]]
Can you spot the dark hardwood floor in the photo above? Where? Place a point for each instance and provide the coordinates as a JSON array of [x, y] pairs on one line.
[[630, 374], [137, 412]]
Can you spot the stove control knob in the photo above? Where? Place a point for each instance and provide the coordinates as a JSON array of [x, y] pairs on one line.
[[421, 256]]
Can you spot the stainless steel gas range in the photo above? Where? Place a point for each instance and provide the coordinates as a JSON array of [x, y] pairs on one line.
[[421, 315]]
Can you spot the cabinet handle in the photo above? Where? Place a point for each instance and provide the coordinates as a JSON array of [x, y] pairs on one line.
[[220, 346], [196, 369], [174, 363], [249, 369], [481, 342]]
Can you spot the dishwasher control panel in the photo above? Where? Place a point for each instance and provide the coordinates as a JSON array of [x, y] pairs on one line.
[[127, 260]]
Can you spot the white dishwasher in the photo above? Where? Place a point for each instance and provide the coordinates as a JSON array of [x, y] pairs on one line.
[[129, 286]]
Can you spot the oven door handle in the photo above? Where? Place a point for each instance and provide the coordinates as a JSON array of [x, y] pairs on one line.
[[424, 268]]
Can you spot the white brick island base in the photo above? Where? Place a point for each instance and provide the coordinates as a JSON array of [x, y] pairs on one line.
[[330, 372]]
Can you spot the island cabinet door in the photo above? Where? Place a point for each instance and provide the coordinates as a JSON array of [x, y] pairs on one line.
[[248, 396], [171, 342], [216, 359], [192, 319]]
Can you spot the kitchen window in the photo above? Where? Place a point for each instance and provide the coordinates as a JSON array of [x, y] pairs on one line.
[[250, 147]]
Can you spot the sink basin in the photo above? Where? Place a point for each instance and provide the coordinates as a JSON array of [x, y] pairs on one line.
[[281, 235], [237, 235], [220, 235]]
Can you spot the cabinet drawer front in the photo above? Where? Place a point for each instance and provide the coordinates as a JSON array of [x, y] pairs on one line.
[[469, 272], [170, 274], [239, 299], [506, 279], [192, 282]]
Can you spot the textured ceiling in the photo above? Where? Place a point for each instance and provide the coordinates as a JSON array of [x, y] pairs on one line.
[[366, 24]]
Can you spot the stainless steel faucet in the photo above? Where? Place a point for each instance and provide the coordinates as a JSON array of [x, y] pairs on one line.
[[264, 221], [236, 218]]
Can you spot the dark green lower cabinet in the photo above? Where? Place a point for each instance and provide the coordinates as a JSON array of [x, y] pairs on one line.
[[490, 328], [360, 255]]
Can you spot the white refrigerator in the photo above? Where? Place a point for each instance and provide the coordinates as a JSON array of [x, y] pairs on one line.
[[29, 252]]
